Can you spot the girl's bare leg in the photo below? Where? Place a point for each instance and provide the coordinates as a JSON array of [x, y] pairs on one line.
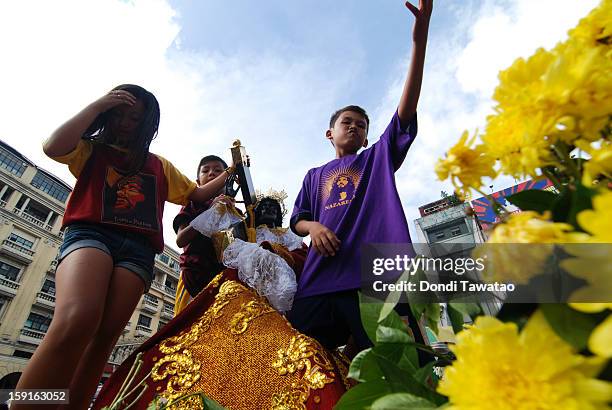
[[124, 292], [81, 283]]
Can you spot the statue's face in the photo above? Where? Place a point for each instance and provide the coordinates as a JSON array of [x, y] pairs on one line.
[[266, 213]]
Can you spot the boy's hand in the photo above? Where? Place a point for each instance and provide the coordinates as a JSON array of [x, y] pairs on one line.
[[224, 199], [323, 239], [422, 15]]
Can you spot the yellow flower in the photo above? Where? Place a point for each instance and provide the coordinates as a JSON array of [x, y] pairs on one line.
[[528, 237], [465, 166], [595, 28], [598, 221], [498, 368], [600, 164], [516, 138], [530, 227], [600, 341]]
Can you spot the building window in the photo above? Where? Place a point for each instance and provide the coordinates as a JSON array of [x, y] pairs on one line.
[[23, 354], [174, 265], [47, 184], [48, 287], [21, 241], [150, 298], [38, 322], [2, 305], [9, 272], [164, 258], [170, 285], [456, 232], [11, 163], [145, 321], [7, 194], [440, 235]]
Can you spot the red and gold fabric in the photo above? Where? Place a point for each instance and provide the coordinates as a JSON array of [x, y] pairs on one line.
[[230, 344]]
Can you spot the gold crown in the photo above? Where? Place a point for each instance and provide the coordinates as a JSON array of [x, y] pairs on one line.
[[278, 196]]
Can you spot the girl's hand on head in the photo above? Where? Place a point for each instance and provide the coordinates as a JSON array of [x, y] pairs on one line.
[[113, 99]]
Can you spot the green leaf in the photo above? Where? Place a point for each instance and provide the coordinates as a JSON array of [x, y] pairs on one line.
[[402, 401], [572, 326], [533, 200], [581, 199], [364, 367], [425, 374], [562, 205], [210, 404], [385, 334], [432, 316], [401, 380], [369, 309], [363, 395], [470, 309], [405, 355], [456, 319]]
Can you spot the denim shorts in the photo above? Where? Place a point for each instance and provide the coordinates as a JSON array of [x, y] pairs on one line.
[[128, 250]]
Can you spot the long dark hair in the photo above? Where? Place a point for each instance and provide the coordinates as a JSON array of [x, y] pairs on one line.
[[147, 130]]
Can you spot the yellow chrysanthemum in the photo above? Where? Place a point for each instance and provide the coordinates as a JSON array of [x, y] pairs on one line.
[[600, 341], [598, 221], [465, 166], [528, 237], [498, 368], [600, 163], [596, 28], [592, 259], [531, 227]]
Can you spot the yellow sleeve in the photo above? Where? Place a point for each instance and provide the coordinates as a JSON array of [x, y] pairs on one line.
[[179, 186], [77, 159]]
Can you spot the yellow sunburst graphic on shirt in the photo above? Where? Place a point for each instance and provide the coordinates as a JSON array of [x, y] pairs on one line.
[[341, 181]]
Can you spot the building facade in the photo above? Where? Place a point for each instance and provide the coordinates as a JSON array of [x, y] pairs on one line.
[[32, 203], [449, 228]]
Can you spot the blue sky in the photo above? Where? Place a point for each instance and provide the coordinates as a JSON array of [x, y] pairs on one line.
[[267, 72]]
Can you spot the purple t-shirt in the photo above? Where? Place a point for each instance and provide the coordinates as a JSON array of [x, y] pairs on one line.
[[355, 196]]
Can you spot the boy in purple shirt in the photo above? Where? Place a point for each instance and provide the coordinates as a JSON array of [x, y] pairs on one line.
[[350, 201]]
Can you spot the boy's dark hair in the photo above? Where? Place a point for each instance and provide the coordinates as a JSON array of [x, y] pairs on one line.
[[147, 131], [207, 159], [354, 108]]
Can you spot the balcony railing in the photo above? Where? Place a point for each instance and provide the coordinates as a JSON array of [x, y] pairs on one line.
[[8, 286], [18, 247], [167, 313], [31, 218], [170, 291], [31, 336], [46, 296], [2, 204], [157, 285], [143, 330]]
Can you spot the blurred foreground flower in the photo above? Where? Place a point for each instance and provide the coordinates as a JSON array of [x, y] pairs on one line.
[[498, 368], [600, 341]]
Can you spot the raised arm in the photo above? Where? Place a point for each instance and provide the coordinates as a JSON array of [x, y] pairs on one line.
[[67, 136], [412, 87]]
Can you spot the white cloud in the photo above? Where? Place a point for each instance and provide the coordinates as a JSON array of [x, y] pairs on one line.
[[460, 76], [59, 56]]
